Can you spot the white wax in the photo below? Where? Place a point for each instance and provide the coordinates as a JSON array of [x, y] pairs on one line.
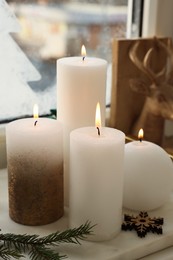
[[35, 161], [80, 85], [42, 144], [148, 176], [96, 180]]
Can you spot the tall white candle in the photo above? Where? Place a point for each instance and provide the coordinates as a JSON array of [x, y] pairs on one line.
[[35, 168], [81, 82], [148, 176], [96, 180]]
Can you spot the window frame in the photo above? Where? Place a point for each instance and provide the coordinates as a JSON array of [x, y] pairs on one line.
[[157, 18]]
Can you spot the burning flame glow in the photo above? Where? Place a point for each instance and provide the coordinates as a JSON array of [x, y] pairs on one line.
[[35, 111], [141, 134], [98, 116], [83, 51]]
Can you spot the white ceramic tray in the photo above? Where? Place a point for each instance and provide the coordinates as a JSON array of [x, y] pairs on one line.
[[126, 246]]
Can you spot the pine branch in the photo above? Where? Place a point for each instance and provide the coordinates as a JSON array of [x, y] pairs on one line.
[[43, 253], [6, 253], [69, 236], [37, 246], [19, 242]]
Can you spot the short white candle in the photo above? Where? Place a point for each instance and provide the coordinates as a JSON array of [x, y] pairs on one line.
[[96, 180], [35, 168], [148, 176], [81, 82]]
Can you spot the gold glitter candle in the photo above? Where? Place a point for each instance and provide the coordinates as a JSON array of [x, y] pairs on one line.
[[35, 170]]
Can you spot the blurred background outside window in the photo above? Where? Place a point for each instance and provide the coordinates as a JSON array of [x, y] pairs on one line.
[[57, 28]]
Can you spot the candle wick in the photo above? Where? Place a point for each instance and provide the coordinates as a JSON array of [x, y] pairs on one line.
[[35, 123], [98, 131], [83, 58], [140, 139]]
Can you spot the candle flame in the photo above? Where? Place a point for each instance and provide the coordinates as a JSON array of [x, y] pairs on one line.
[[83, 51], [35, 111], [141, 134], [98, 116]]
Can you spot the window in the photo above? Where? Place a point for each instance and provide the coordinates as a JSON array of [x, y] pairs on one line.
[[51, 30]]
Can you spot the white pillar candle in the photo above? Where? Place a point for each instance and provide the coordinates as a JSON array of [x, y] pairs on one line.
[[96, 180], [81, 82], [148, 176], [35, 168]]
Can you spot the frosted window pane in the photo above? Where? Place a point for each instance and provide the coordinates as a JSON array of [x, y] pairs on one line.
[[51, 30], [13, 57], [17, 94], [8, 22]]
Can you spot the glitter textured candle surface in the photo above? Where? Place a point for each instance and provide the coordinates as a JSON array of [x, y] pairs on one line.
[[35, 170]]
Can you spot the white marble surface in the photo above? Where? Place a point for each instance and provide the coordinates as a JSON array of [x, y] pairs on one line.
[[126, 246]]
